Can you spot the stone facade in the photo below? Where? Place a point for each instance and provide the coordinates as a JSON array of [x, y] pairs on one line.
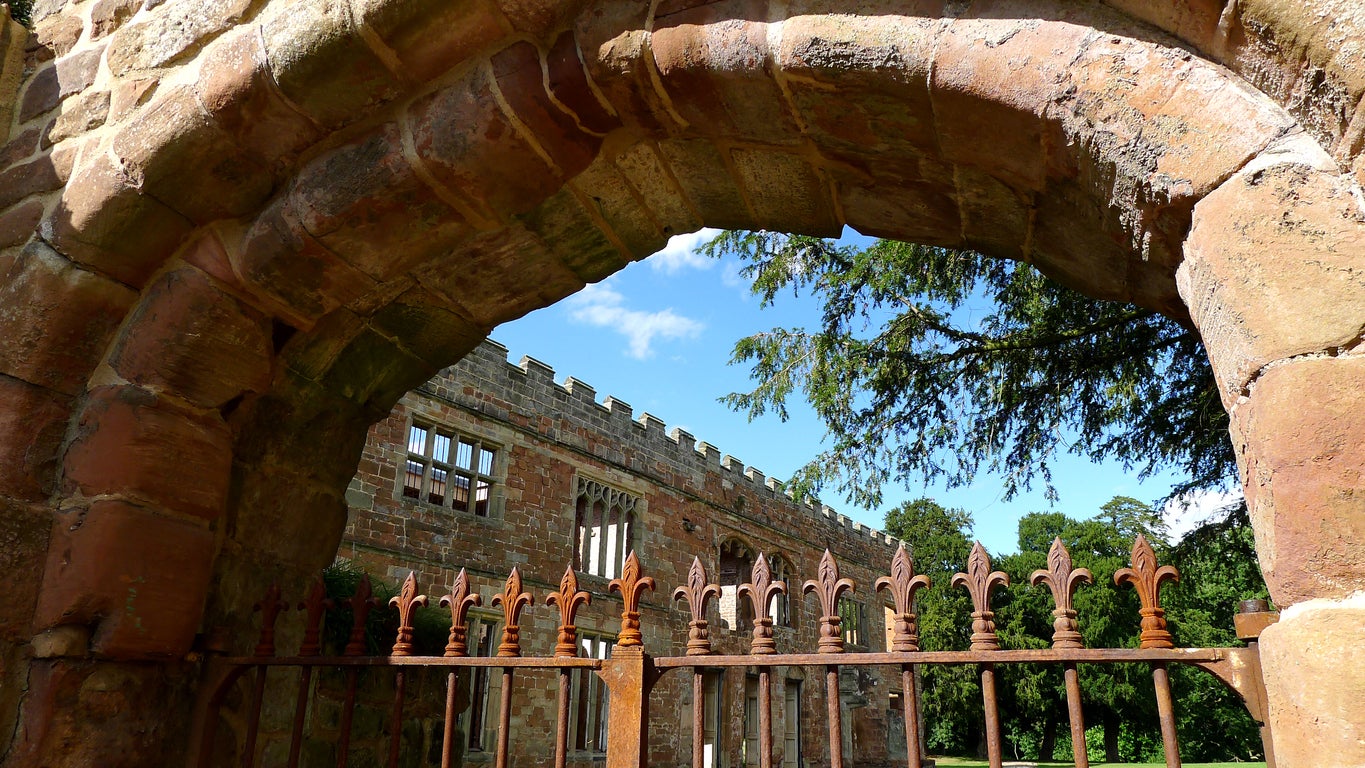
[[551, 441], [234, 232]]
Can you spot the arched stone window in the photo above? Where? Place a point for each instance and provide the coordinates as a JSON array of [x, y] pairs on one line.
[[779, 607], [736, 563], [604, 528]]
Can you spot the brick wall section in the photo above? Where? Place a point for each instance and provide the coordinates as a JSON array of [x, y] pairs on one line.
[[693, 501]]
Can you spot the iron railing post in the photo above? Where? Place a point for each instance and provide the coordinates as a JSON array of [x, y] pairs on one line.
[[1252, 617], [629, 675]]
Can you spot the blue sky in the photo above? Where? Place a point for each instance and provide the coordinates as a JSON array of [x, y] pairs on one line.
[[658, 336]]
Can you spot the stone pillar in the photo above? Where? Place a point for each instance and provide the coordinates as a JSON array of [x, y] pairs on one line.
[[1273, 279]]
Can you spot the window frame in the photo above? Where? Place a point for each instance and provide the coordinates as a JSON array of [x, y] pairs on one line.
[[479, 721], [589, 699], [855, 635], [475, 475], [791, 725], [590, 494]]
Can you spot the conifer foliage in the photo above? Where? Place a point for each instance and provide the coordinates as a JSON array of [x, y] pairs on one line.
[[936, 364]]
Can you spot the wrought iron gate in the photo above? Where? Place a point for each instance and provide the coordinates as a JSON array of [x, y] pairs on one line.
[[631, 673]]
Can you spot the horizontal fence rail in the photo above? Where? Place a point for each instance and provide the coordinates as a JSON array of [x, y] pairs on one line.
[[630, 673]]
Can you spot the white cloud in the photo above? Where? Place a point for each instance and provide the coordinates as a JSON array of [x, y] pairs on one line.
[[1185, 513], [681, 253], [600, 306], [730, 277]]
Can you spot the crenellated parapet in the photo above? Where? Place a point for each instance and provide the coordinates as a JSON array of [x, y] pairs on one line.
[[486, 381]]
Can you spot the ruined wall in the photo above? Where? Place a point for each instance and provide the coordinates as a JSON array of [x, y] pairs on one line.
[[695, 501], [234, 232]]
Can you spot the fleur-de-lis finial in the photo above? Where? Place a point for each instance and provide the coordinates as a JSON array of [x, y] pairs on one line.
[[568, 598], [828, 587], [696, 592], [270, 607], [903, 584], [407, 602], [980, 580], [1147, 579], [632, 587], [361, 603], [1062, 580], [315, 607], [513, 599], [761, 591], [459, 601]]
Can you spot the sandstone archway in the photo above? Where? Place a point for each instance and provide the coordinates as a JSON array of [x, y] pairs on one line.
[[235, 232]]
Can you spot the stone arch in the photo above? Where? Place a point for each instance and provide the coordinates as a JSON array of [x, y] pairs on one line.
[[290, 214]]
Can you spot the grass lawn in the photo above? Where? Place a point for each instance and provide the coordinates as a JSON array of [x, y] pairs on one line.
[[962, 762]]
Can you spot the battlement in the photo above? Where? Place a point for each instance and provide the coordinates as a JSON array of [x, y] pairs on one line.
[[499, 385]]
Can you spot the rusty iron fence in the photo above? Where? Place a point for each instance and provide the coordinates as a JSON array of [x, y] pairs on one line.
[[630, 673]]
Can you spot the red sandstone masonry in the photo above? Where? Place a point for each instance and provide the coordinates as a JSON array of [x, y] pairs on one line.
[[135, 443], [107, 570], [548, 433]]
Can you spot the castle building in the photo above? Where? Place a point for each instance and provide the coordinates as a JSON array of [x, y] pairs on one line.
[[491, 465]]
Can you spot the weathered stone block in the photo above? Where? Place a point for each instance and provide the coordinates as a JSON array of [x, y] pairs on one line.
[[709, 60], [310, 355], [1194, 21], [207, 253], [24, 531], [574, 238], [42, 94], [536, 18], [614, 47], [298, 545], [373, 372], [1314, 667], [174, 152], [517, 70], [900, 200], [56, 319], [705, 177], [1301, 440], [363, 202], [59, 33], [25, 180], [76, 72], [237, 89], [32, 424], [428, 328], [18, 224], [83, 113], [467, 279], [470, 146], [568, 80], [188, 337], [143, 709], [861, 83], [431, 36], [786, 193], [323, 65], [172, 33], [19, 148], [618, 204], [132, 442], [106, 222], [137, 577], [292, 272], [108, 15], [1272, 265], [128, 94], [991, 81]]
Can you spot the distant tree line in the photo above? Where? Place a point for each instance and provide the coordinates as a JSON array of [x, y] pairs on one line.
[[1218, 569]]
